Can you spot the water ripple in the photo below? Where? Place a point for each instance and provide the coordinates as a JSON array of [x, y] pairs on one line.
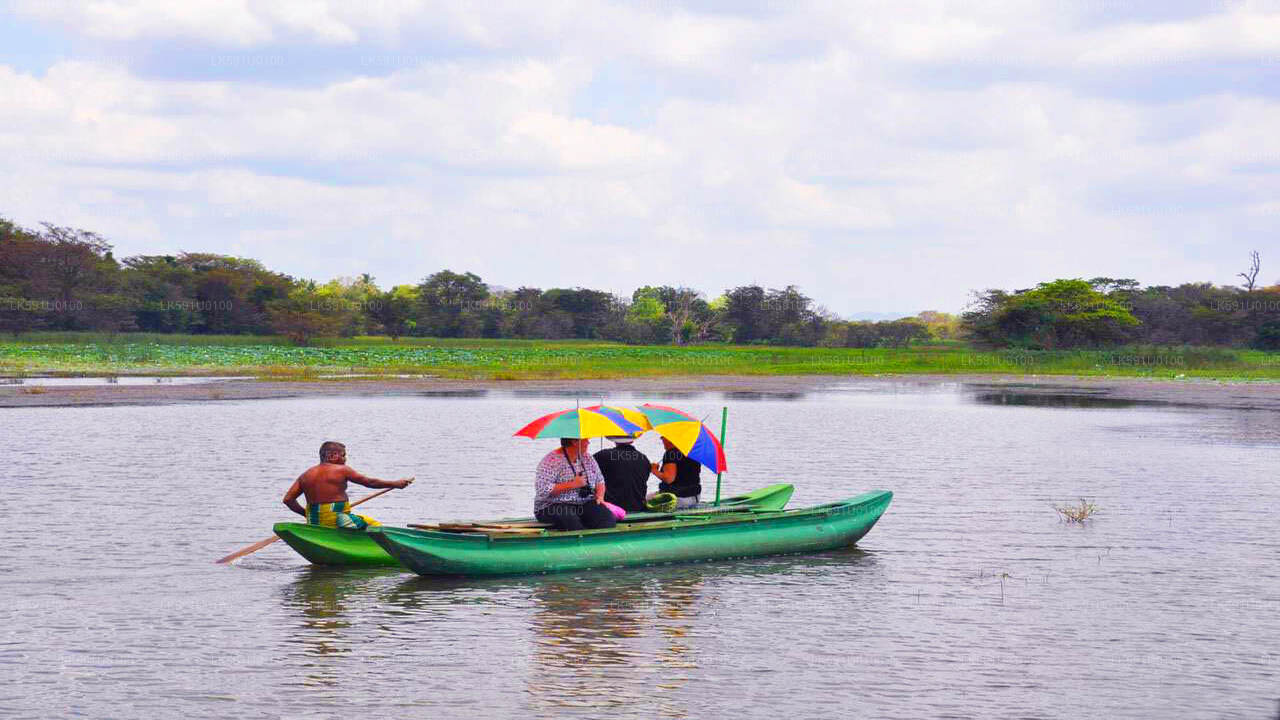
[[971, 598]]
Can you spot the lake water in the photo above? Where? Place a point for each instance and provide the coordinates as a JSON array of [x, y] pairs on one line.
[[970, 598]]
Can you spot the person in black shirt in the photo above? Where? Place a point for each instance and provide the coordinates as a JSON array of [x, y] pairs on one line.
[[680, 476], [626, 474]]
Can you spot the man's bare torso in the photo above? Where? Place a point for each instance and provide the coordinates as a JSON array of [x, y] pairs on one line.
[[326, 483]]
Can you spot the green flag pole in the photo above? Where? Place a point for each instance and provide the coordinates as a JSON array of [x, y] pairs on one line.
[[724, 420]]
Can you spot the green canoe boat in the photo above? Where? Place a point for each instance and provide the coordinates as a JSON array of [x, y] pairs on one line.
[[680, 539], [330, 546]]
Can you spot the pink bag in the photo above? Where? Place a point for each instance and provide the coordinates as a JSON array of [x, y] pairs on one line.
[[618, 512]]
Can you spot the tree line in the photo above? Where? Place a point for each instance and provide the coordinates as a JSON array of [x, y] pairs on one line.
[[60, 278], [1104, 312]]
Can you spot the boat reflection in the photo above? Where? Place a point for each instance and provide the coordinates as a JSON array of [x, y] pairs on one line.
[[610, 640], [603, 641], [320, 597], [637, 637]]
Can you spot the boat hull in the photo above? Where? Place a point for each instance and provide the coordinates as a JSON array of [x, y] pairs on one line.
[[356, 548], [747, 534], [332, 546]]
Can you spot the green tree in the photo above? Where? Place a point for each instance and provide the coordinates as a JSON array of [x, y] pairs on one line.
[[233, 293], [785, 316], [393, 310], [1057, 314], [203, 292], [526, 315], [112, 312], [20, 311], [711, 324], [163, 288], [646, 308], [1268, 337], [941, 326], [448, 302], [685, 311], [646, 318], [349, 299], [591, 313], [71, 271], [1193, 314], [303, 316], [19, 314], [745, 311], [792, 319], [903, 332]]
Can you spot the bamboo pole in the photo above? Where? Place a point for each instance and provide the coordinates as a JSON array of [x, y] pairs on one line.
[[724, 421]]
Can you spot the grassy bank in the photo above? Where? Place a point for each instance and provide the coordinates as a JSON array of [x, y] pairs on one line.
[[84, 353]]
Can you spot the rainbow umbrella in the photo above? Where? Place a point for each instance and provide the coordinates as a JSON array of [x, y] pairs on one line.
[[631, 415], [579, 423], [688, 434]]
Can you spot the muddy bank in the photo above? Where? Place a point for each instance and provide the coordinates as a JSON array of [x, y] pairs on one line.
[[1238, 394]]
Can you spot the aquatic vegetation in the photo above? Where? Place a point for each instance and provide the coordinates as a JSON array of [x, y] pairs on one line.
[[1076, 513], [268, 357]]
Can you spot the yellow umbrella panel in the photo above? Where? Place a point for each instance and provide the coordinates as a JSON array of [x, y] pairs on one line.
[[688, 434]]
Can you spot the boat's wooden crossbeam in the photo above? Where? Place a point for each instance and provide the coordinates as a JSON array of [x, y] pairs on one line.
[[509, 529], [664, 520], [527, 525]]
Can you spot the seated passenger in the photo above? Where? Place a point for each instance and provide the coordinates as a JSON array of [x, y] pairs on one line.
[[569, 489], [679, 476], [626, 474], [325, 486]]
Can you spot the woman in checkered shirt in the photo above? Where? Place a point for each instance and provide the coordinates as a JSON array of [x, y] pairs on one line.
[[569, 489]]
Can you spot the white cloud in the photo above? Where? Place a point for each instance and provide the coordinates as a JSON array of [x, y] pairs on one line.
[[230, 22], [1240, 33], [813, 146], [233, 22]]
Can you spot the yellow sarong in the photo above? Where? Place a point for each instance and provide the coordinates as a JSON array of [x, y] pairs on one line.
[[338, 515]]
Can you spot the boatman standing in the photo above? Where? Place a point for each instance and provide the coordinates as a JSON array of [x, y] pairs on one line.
[[325, 486]]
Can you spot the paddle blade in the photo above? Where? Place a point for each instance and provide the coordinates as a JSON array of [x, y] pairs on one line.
[[251, 549]]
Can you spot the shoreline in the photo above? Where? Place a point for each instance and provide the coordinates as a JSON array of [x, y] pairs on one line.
[[1236, 394]]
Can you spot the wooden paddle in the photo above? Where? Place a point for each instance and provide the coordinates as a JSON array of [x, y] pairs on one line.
[[263, 543]]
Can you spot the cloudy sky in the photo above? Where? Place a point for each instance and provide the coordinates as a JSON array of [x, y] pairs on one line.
[[884, 156]]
